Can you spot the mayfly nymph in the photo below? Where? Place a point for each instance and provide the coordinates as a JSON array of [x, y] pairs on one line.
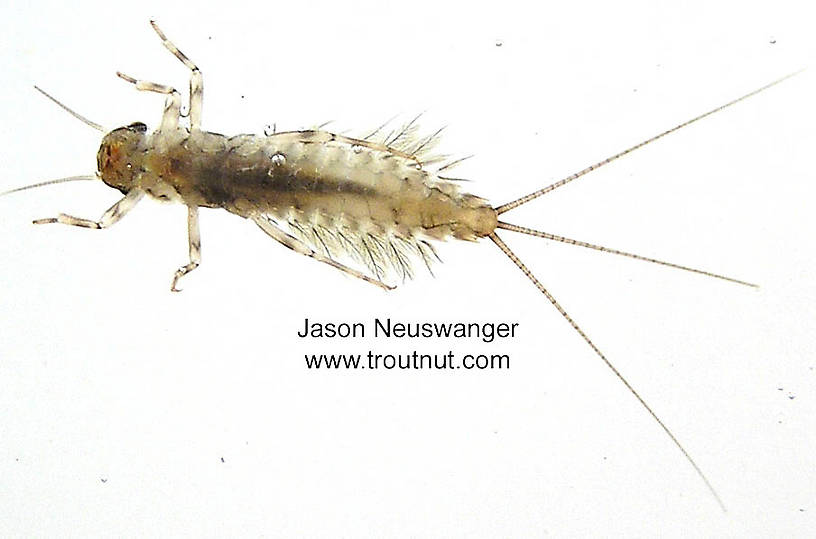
[[377, 201]]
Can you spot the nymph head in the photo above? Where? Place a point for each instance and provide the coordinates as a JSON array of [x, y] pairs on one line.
[[120, 155]]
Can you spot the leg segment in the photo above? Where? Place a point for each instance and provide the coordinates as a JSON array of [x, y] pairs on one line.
[[114, 213], [196, 80], [194, 240], [300, 247], [172, 105]]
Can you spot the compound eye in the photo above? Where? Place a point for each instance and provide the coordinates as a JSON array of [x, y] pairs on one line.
[[138, 127]]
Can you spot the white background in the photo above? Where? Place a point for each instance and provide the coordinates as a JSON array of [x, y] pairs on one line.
[[119, 399]]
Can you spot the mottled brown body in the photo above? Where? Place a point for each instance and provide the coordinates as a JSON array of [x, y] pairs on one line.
[[301, 176]]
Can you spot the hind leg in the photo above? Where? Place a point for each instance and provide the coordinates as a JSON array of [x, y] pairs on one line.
[[299, 247]]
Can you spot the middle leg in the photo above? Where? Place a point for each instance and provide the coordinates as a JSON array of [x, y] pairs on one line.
[[196, 79], [194, 241]]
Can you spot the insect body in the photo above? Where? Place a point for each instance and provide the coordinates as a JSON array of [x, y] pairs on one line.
[[379, 201], [349, 194]]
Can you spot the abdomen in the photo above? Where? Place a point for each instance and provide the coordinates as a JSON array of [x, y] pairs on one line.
[[306, 177]]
